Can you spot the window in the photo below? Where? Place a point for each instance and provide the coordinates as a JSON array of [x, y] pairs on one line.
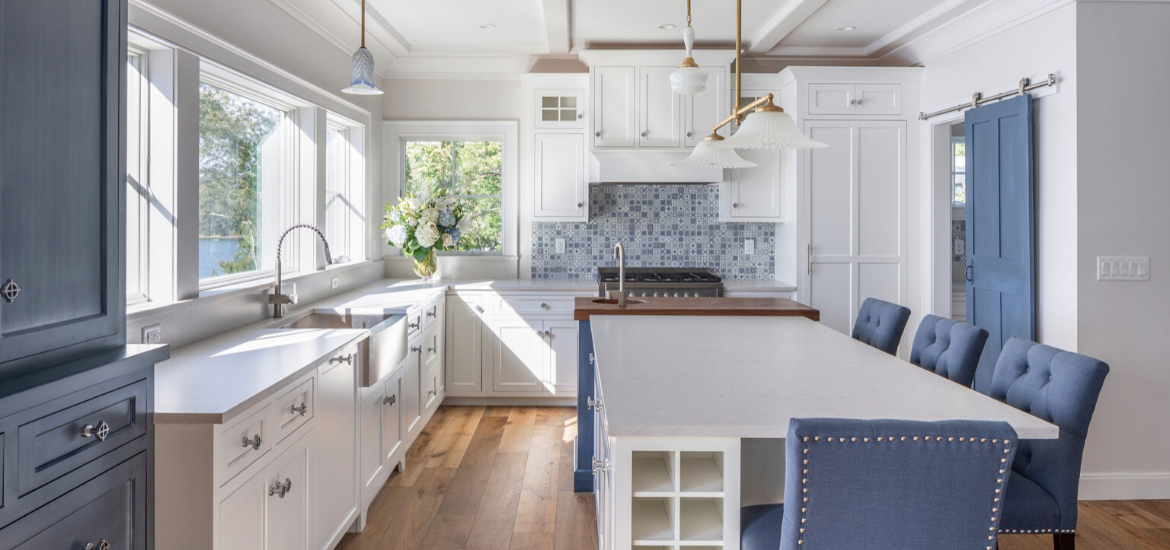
[[958, 171], [345, 204], [245, 194], [473, 171], [137, 180]]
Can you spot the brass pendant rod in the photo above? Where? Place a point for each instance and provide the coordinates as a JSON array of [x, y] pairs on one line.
[[738, 47], [739, 112], [688, 13], [363, 23]]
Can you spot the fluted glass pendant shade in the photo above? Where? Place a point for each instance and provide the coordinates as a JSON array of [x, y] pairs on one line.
[[363, 74], [706, 156], [768, 129], [689, 78]]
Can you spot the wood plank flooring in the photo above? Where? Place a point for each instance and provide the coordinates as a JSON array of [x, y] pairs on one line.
[[502, 477]]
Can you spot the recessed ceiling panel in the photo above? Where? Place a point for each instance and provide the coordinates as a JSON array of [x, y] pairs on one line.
[[637, 21], [466, 24], [873, 19]]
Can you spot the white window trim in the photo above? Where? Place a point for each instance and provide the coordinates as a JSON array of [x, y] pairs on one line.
[[954, 172], [506, 131], [355, 135]]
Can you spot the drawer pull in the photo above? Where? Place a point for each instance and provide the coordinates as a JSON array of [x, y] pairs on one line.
[[479, 309], [343, 359], [301, 409], [431, 313], [544, 305], [389, 400], [280, 489], [101, 545], [416, 349], [591, 404], [414, 324], [101, 432], [253, 442], [430, 349]]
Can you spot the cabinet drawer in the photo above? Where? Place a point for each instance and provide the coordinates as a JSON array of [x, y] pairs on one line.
[[111, 508], [534, 305], [295, 408], [430, 314], [239, 446], [414, 323], [54, 445]]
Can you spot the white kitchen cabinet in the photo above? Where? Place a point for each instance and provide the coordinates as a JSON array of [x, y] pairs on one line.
[[707, 108], [659, 123], [393, 435], [432, 370], [562, 356], [465, 335], [855, 217], [559, 109], [412, 403], [754, 194], [270, 511], [518, 362], [372, 462], [855, 99], [559, 185], [614, 106], [336, 496]]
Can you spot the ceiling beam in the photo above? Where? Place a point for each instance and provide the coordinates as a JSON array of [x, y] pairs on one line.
[[558, 25], [784, 22]]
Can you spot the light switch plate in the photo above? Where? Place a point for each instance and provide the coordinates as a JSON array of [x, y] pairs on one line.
[[333, 282], [749, 246], [1123, 268], [560, 246], [152, 334]]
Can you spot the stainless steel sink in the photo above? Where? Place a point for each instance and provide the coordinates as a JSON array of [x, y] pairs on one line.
[[381, 353], [608, 302]]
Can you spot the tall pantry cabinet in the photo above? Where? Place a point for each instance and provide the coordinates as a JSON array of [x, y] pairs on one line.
[[75, 401], [853, 196]]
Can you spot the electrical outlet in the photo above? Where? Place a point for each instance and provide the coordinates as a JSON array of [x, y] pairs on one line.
[[1123, 268], [152, 334], [333, 283], [749, 246], [560, 246]]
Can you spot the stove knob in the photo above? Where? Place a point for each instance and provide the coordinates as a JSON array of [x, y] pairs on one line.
[[687, 295], [656, 295], [676, 295]]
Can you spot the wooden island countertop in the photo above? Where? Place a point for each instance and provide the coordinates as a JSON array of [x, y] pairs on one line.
[[727, 307]]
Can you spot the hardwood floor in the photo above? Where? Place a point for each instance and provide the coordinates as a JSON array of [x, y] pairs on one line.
[[502, 477]]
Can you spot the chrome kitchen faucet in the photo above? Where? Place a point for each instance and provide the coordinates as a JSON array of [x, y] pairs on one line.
[[278, 299], [619, 253]]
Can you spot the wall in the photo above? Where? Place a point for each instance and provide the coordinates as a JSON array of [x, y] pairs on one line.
[[1122, 197], [263, 41], [1042, 45], [659, 226]]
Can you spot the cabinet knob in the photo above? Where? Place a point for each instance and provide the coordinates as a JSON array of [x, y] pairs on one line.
[[280, 489], [301, 409], [597, 133], [580, 205], [580, 115], [479, 309], [543, 305], [389, 400], [689, 134], [10, 290], [735, 205], [431, 392], [644, 134], [253, 442], [101, 545], [102, 431]]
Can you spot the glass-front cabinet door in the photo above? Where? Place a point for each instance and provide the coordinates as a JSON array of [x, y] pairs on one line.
[[564, 109]]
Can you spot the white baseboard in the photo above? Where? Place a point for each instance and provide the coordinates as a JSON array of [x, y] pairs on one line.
[[511, 401], [1148, 486]]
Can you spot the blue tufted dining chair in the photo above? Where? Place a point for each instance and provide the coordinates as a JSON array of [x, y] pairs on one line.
[[948, 348], [877, 484], [880, 324], [1062, 388]]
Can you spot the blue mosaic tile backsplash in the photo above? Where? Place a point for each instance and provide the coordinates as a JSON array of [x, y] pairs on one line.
[[660, 226]]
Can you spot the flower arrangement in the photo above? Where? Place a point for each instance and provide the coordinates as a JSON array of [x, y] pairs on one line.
[[420, 225]]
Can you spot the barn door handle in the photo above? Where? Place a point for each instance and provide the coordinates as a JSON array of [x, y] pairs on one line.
[[970, 272]]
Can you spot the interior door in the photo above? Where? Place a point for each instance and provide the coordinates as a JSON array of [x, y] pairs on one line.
[[519, 357], [613, 106], [1001, 269], [855, 220], [659, 124]]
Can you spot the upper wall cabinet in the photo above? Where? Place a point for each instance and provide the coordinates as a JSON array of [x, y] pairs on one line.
[[559, 109], [614, 103], [560, 185], [658, 109], [707, 108], [854, 99], [61, 180]]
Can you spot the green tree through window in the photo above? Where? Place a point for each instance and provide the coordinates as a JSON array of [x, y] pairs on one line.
[[232, 131], [473, 171]]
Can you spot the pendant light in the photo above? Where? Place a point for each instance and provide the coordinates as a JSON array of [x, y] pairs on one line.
[[769, 127], [688, 79], [363, 67]]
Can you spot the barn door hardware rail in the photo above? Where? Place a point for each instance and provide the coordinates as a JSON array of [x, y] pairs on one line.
[[978, 99]]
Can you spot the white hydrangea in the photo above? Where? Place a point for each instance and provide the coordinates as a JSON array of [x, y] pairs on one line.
[[396, 235], [410, 220], [427, 234], [428, 215]]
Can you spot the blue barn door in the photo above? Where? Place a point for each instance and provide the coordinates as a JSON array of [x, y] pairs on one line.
[[1001, 267]]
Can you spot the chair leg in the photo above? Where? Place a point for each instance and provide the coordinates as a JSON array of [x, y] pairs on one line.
[[1064, 541]]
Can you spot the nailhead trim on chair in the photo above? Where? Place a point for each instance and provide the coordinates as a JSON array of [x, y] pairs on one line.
[[891, 439]]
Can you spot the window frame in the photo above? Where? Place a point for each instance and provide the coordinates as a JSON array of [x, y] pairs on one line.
[[233, 82], [955, 172], [138, 203], [398, 133], [357, 192]]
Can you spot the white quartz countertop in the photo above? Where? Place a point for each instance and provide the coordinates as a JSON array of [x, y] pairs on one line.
[[214, 380], [590, 285], [749, 376]]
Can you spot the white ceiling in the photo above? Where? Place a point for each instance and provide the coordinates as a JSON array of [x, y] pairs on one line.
[[408, 35]]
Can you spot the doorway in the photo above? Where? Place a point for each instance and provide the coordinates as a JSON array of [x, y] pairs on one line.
[[956, 157]]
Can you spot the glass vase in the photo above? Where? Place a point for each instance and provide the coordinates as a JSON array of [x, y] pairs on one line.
[[426, 267]]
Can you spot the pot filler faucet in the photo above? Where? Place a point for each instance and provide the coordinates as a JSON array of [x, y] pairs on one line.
[[619, 253], [278, 299]]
